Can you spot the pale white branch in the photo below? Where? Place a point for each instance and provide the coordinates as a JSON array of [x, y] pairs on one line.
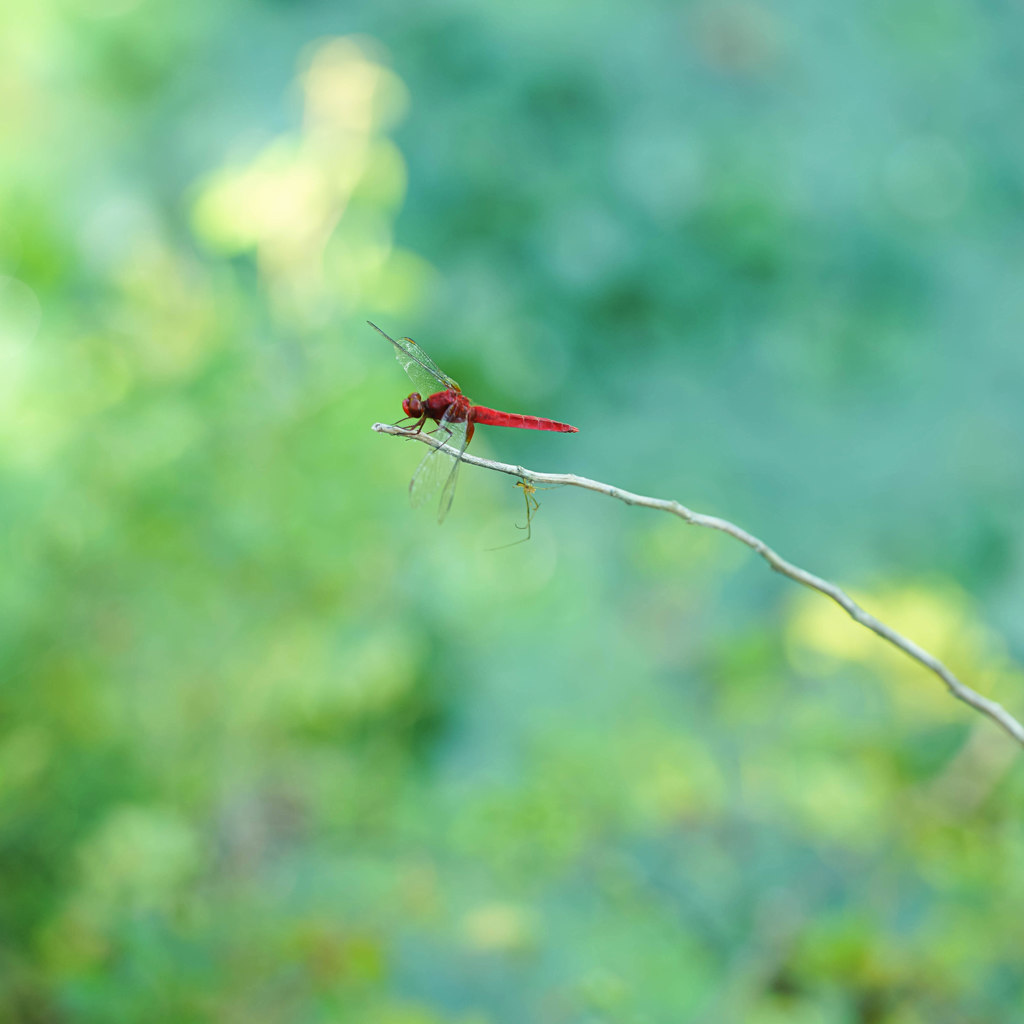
[[962, 692]]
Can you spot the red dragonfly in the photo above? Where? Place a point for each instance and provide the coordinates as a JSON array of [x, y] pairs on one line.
[[456, 418]]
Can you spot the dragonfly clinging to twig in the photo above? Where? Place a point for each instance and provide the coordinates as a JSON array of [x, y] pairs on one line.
[[439, 398]]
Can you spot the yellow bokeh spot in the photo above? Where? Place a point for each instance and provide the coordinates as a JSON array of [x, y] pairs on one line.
[[821, 637], [279, 198], [316, 206], [347, 91], [498, 928]]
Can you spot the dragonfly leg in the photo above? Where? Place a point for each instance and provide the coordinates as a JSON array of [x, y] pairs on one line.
[[416, 426]]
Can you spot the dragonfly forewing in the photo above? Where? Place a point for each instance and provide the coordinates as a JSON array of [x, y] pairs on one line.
[[427, 377]]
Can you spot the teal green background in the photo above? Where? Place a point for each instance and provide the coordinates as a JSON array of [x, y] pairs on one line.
[[276, 748]]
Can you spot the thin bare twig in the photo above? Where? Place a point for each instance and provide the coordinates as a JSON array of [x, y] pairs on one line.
[[962, 692]]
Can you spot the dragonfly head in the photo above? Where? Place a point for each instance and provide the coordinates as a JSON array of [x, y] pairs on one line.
[[413, 406]]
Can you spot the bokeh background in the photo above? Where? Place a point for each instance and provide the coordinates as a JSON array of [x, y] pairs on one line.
[[276, 748]]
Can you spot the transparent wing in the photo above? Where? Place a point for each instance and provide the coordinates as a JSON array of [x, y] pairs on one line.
[[439, 467], [424, 373], [448, 492]]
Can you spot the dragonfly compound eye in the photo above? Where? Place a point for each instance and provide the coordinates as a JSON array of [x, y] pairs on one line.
[[413, 406]]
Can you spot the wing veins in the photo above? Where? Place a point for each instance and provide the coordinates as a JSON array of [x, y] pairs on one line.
[[420, 368]]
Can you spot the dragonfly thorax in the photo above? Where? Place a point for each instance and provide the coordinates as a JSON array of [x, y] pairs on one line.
[[452, 404]]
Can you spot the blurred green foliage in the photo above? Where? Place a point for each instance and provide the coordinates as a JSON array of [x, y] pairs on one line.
[[274, 748]]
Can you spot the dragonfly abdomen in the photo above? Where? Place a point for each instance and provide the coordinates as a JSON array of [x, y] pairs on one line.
[[496, 418]]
